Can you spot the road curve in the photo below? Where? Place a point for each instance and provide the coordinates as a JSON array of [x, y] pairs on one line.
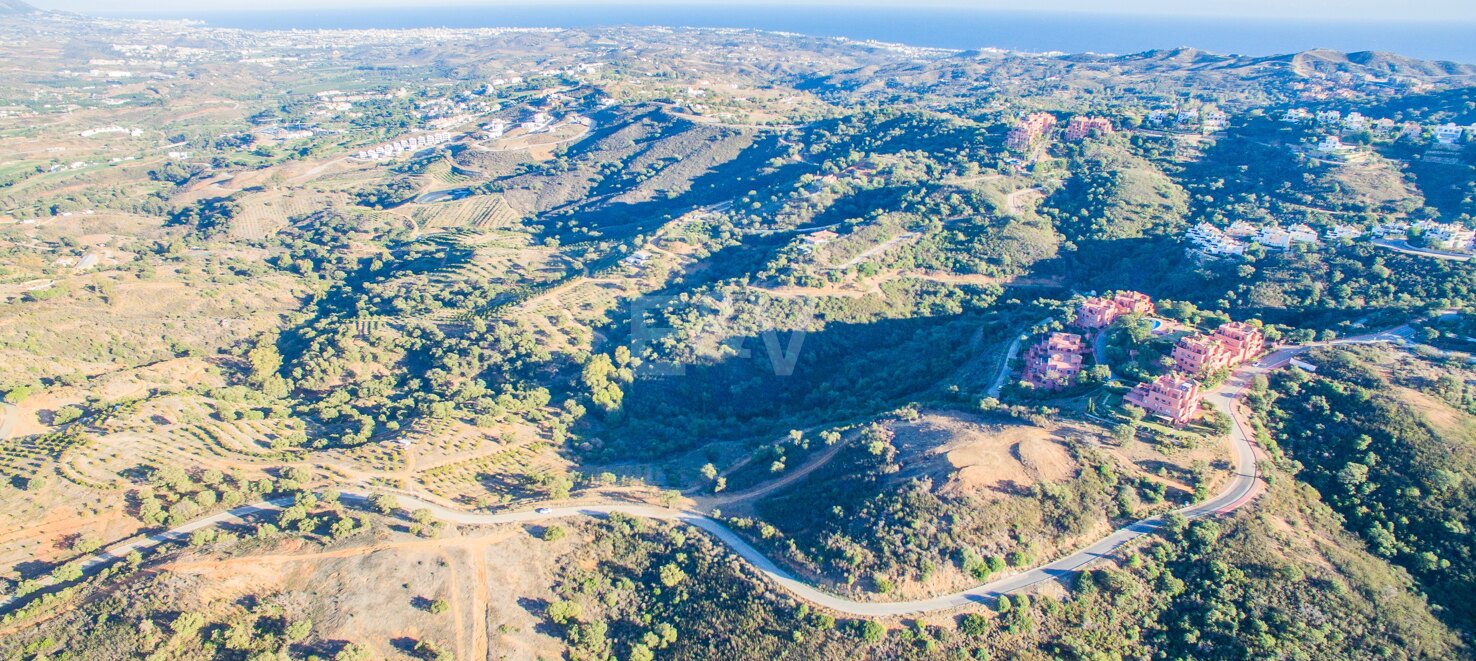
[[1241, 489]]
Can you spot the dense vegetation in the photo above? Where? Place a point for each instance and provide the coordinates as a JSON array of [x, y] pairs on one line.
[[1403, 484], [877, 529], [1234, 590], [726, 254]]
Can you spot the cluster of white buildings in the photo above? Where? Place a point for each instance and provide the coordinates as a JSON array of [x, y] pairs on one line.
[[111, 129], [1450, 133], [1443, 134], [282, 134], [813, 240], [403, 145], [1210, 240], [1334, 145], [494, 129], [1441, 236], [538, 123], [1209, 120], [1450, 237], [1206, 239]]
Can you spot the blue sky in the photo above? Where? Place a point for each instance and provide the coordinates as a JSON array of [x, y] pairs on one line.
[[1332, 10]]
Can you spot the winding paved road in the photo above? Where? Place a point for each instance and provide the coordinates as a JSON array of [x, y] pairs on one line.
[[1243, 486], [1406, 248]]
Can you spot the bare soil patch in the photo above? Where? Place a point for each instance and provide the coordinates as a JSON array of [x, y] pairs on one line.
[[968, 455]]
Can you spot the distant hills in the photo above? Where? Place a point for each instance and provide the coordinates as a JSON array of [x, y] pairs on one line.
[[1256, 80], [9, 7]]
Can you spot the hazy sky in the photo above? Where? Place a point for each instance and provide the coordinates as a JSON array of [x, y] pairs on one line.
[[1332, 10]]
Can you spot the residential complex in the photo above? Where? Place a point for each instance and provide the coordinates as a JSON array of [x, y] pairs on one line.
[[403, 145], [1053, 363], [1098, 312], [1082, 126], [1171, 396], [1207, 239], [1230, 345], [1448, 134], [1029, 131], [1444, 135], [1211, 240], [1449, 237], [1334, 145]]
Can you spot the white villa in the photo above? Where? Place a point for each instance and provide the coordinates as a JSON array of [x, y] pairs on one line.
[[1448, 134]]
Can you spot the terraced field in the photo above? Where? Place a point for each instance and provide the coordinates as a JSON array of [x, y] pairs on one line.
[[264, 215], [502, 473], [479, 212], [382, 457], [439, 441], [178, 431], [31, 456], [447, 173]]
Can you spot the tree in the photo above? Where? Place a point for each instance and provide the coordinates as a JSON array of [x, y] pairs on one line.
[[599, 377], [65, 414], [438, 606], [202, 537], [85, 544], [564, 612], [18, 394], [384, 503], [558, 486], [352, 652], [431, 651], [1134, 413], [186, 624], [872, 631], [297, 630], [672, 575], [1124, 433], [974, 625]]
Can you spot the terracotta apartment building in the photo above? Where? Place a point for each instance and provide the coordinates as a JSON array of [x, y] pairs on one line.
[[1101, 312], [1029, 131], [1177, 397], [1082, 126], [1171, 396], [1053, 363], [1230, 345]]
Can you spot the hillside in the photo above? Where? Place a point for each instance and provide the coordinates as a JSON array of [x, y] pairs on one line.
[[1397, 467], [641, 342]]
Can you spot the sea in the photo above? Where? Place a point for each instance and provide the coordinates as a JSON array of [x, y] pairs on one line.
[[943, 27]]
